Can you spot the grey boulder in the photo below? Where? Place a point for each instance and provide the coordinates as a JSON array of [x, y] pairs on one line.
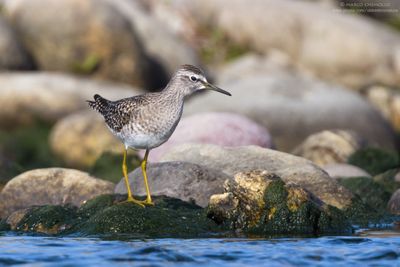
[[183, 180], [290, 168], [52, 186]]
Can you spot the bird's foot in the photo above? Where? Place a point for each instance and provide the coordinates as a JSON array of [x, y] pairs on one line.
[[135, 201], [148, 202]]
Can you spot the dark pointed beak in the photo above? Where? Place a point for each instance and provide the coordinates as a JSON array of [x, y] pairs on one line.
[[209, 86]]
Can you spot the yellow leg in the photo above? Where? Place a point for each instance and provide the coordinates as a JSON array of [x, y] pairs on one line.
[[143, 165], [128, 188]]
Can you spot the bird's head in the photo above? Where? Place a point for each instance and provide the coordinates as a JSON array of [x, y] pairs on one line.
[[191, 79]]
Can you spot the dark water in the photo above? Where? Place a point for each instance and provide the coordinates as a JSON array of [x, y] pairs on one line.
[[381, 248]]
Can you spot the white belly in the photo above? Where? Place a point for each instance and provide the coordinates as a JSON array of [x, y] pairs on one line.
[[141, 141]]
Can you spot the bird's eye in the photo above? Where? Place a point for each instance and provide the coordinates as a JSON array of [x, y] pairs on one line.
[[193, 78]]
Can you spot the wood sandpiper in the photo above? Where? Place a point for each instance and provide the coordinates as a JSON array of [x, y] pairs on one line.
[[147, 121]]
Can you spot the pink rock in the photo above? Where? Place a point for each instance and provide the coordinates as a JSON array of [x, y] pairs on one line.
[[224, 129]]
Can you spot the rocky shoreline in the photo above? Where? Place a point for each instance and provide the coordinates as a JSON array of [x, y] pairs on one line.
[[308, 143]]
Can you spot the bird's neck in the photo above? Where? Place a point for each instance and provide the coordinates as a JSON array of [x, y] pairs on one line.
[[173, 92]]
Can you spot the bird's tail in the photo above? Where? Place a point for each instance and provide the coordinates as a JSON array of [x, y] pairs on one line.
[[99, 104]]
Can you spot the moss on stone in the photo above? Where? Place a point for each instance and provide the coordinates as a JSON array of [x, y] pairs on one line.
[[109, 215], [48, 219], [275, 193], [108, 166], [375, 160], [168, 218], [95, 205], [387, 180], [4, 226], [332, 220], [371, 193], [308, 218], [369, 205]]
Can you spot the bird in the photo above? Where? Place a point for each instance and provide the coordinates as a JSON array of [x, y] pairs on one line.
[[147, 121]]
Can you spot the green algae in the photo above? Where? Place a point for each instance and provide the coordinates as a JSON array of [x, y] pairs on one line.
[[369, 205], [94, 205], [169, 217], [308, 218], [371, 193], [48, 219], [375, 160], [109, 215], [387, 180], [4, 226], [285, 210]]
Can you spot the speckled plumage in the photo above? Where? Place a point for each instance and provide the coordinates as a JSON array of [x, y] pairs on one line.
[[147, 121]]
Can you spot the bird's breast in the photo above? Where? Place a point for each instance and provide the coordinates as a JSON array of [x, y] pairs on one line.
[[150, 129]]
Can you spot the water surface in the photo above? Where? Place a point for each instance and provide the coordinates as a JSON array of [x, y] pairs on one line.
[[371, 248]]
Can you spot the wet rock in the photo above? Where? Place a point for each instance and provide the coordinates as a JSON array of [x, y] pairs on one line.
[[80, 138], [56, 186], [259, 202], [387, 101], [44, 96], [290, 168], [47, 219], [339, 47], [163, 45], [218, 128], [89, 37], [371, 193], [388, 180], [13, 55], [341, 170], [108, 215], [375, 160], [394, 203], [169, 217], [327, 147], [397, 177], [14, 218], [183, 180], [293, 107]]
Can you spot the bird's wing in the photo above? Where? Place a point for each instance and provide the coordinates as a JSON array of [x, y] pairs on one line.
[[121, 112]]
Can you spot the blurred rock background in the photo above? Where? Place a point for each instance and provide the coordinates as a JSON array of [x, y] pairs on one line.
[[318, 79]]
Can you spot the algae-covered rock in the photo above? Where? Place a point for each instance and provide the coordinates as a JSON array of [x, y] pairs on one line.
[[369, 202], [110, 215], [47, 219], [291, 169], [169, 217], [375, 160], [369, 191], [50, 186], [4, 226], [388, 180], [259, 202], [394, 203]]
